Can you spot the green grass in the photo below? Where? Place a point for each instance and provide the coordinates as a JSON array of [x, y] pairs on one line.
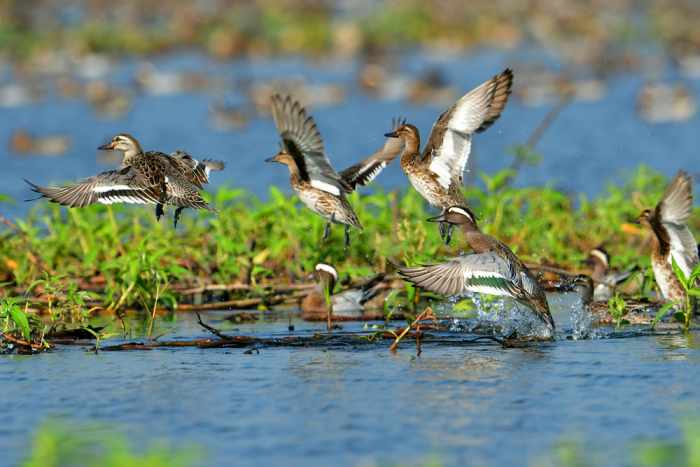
[[124, 248]]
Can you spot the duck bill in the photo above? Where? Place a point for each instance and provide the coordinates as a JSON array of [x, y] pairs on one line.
[[393, 134], [440, 218], [272, 159], [634, 221], [107, 146]]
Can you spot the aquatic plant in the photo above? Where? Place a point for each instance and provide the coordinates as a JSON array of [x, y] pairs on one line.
[[100, 445], [692, 290], [121, 252], [17, 323]]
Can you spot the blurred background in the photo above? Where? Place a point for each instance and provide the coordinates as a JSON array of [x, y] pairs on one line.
[[197, 75]]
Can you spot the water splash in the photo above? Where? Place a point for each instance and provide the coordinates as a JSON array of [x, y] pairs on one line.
[[582, 320], [493, 318]]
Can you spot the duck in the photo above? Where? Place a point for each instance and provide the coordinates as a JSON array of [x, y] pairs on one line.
[[671, 238], [144, 177], [599, 262], [24, 143], [349, 302], [436, 172], [583, 284], [492, 269], [319, 186], [661, 102]]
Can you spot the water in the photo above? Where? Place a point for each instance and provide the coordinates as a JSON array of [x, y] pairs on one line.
[[360, 404], [598, 138]]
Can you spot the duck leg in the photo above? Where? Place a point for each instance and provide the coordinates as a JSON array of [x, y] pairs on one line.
[[449, 234], [176, 217], [159, 211], [347, 237], [327, 232]]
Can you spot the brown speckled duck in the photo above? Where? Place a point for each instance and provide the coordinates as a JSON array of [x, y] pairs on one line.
[[318, 185], [633, 307], [671, 237], [436, 172], [492, 269], [143, 177]]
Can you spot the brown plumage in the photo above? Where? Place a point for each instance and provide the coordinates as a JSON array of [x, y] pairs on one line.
[[633, 307], [493, 269], [436, 172], [318, 185], [144, 177], [671, 237]]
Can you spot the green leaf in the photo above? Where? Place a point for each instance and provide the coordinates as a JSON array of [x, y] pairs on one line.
[[679, 316], [663, 311], [97, 336], [624, 322], [679, 273], [19, 317], [694, 291]]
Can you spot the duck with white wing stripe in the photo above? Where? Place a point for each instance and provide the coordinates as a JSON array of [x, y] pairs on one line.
[[318, 185], [492, 269], [436, 172]]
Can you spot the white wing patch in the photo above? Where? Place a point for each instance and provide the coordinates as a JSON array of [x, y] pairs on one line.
[[440, 168], [373, 174], [327, 187], [102, 189]]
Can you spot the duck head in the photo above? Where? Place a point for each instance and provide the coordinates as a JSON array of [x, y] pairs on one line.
[[599, 261], [283, 157], [643, 219], [405, 132], [125, 143], [458, 216], [326, 274], [584, 286]]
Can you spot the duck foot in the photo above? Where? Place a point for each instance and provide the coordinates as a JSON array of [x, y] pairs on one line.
[[347, 237], [176, 217], [159, 211], [327, 232], [448, 237]]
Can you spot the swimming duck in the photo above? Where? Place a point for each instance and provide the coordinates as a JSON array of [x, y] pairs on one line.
[[318, 185], [671, 237], [349, 302], [143, 177], [584, 285], [24, 143], [437, 171], [493, 269], [599, 262]]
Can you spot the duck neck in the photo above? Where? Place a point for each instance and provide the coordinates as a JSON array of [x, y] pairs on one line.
[[410, 153], [132, 153]]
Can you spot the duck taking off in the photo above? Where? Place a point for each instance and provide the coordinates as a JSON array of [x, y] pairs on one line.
[[492, 269], [436, 172], [318, 185], [143, 177], [671, 238]]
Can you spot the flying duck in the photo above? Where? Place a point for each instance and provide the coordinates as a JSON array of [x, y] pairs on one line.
[[143, 177], [436, 172], [318, 185], [671, 237]]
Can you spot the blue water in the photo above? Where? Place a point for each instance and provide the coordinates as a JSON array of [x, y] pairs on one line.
[[586, 146], [357, 405]]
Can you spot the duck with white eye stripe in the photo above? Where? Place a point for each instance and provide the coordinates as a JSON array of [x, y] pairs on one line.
[[144, 177], [318, 185], [492, 269], [436, 172]]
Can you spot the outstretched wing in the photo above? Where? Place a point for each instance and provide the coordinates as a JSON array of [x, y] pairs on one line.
[[669, 220], [366, 170], [302, 140], [484, 273], [123, 185], [449, 142], [196, 171]]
